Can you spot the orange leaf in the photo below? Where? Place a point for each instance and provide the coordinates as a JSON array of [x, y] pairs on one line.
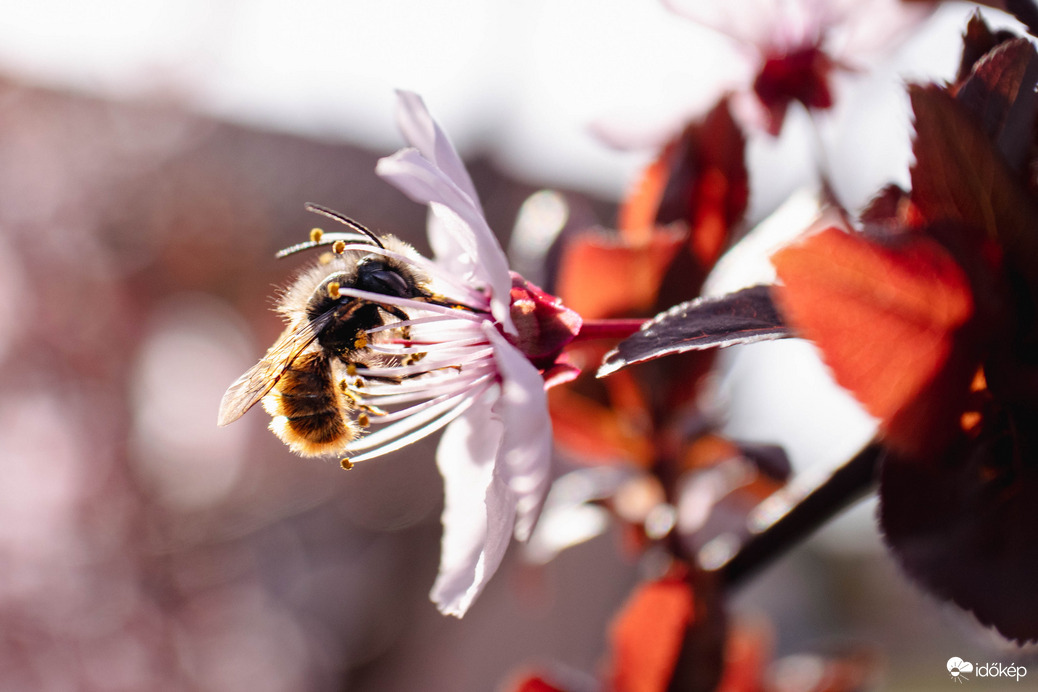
[[884, 316], [699, 178], [637, 215], [607, 276], [647, 635], [747, 654], [596, 431], [535, 683]]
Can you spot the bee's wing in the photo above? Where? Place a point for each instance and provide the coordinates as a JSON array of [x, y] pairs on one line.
[[261, 377]]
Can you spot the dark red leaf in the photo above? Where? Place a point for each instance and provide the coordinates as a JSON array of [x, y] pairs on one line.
[[1024, 10], [742, 317], [885, 213], [1000, 94], [960, 177], [964, 523], [976, 42]]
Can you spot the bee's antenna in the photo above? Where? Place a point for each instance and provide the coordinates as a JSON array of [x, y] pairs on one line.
[[343, 219]]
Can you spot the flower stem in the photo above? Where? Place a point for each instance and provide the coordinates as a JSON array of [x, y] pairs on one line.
[[794, 512], [608, 329]]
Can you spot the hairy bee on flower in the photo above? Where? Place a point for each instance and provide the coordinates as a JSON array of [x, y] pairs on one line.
[[307, 380]]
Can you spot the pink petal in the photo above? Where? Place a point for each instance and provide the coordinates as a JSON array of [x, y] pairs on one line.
[[496, 466], [525, 453], [422, 132], [479, 509], [423, 182]]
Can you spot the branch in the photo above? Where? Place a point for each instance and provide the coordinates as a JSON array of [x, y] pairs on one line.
[[793, 513]]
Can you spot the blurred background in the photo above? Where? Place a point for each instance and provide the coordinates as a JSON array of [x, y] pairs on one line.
[[154, 155]]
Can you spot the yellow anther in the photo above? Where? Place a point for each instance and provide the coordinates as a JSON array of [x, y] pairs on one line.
[[360, 342], [363, 420], [351, 369], [358, 383], [333, 289], [339, 247], [315, 235], [346, 464]]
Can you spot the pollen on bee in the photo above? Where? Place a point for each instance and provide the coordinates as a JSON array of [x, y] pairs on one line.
[[333, 289], [316, 234], [373, 410], [346, 464], [339, 247]]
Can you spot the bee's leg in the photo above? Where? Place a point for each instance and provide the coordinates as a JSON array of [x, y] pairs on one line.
[[395, 312], [358, 382]]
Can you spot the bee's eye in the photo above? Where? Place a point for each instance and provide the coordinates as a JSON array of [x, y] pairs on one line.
[[376, 276]]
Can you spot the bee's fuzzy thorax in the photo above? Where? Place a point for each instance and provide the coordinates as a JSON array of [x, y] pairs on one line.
[[292, 302]]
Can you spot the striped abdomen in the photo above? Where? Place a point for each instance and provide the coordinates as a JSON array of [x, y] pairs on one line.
[[310, 413]]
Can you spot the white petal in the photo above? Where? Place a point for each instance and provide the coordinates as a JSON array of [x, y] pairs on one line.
[[423, 182], [525, 453], [496, 467], [479, 509], [422, 132], [454, 246]]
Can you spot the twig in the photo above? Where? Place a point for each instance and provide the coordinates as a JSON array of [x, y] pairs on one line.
[[793, 513]]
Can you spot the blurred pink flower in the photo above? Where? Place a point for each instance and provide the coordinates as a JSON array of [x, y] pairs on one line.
[[794, 47], [495, 455]]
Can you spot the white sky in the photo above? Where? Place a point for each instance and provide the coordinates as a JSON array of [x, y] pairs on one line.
[[527, 76], [524, 79]]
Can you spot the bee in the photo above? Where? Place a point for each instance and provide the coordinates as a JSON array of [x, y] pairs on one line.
[[302, 379]]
